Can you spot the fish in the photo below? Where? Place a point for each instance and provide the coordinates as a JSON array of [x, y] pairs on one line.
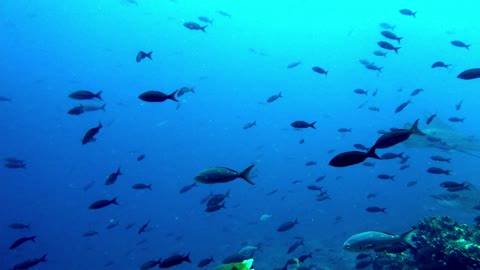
[[142, 55], [392, 155], [29, 263], [149, 264], [387, 26], [374, 67], [90, 134], [456, 119], [206, 198], [19, 226], [194, 26], [373, 240], [157, 96], [387, 46], [408, 12], [216, 175], [218, 198], [430, 118], [187, 187], [215, 207], [436, 170], [375, 209], [441, 159], [461, 44], [84, 95], [112, 224], [295, 245], [142, 186], [274, 97], [314, 187], [403, 167], [184, 90], [287, 226], [224, 13], [371, 195], [102, 203], [319, 70], [294, 64], [440, 64], [451, 184], [303, 258], [21, 241], [112, 178], [303, 124], [402, 106], [205, 262], [360, 91], [352, 157], [311, 163], [141, 157], [2, 98], [361, 147], [77, 110], [93, 107], [90, 234], [391, 36], [392, 138], [143, 228], [380, 53], [469, 74], [412, 183], [416, 92], [458, 106], [344, 130], [385, 177], [249, 125], [205, 19], [174, 260]]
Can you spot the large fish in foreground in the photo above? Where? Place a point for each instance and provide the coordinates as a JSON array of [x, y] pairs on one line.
[[217, 175], [395, 137], [352, 157], [373, 240]]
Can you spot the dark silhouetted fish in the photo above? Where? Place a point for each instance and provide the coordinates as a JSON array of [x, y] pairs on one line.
[[470, 74], [387, 26], [374, 108], [274, 97], [387, 46], [311, 163], [142, 55], [21, 241], [374, 67], [112, 178], [391, 36], [456, 119], [294, 64], [407, 12], [416, 92], [218, 198], [380, 53], [430, 119], [5, 99], [402, 106], [249, 125], [385, 177], [90, 234], [375, 209], [90, 134], [143, 228], [412, 183], [141, 157], [344, 130], [182, 91], [436, 170], [84, 94], [93, 107], [223, 175], [76, 110], [287, 226], [142, 186], [352, 157], [441, 159], [440, 64], [205, 262], [187, 188], [29, 263], [458, 106], [102, 203], [174, 260], [295, 245], [149, 264], [392, 155], [215, 207], [303, 124], [392, 138], [360, 91], [157, 96], [19, 226], [461, 44], [194, 26], [320, 70]]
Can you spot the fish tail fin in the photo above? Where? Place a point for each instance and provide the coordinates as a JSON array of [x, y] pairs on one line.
[[114, 201], [296, 221], [414, 14], [245, 174], [118, 172], [312, 125], [384, 210], [371, 153], [100, 125], [149, 186], [172, 96], [43, 258], [326, 73], [33, 238], [415, 130], [396, 49], [103, 107], [447, 172], [193, 90], [407, 238], [186, 258], [380, 69], [149, 55], [203, 28], [227, 195], [398, 39], [99, 95]]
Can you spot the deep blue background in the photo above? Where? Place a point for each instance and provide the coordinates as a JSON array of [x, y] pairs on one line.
[[52, 48]]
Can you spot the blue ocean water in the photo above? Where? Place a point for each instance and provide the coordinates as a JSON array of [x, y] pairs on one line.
[[51, 48]]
